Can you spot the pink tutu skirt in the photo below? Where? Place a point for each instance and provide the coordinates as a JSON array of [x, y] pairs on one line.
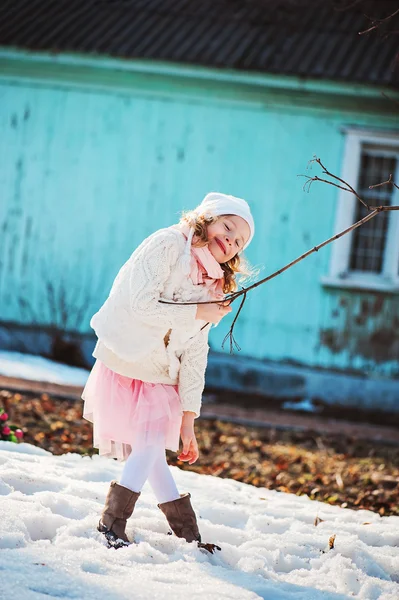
[[126, 411]]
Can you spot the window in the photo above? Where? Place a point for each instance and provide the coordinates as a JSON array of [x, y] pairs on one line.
[[367, 257]]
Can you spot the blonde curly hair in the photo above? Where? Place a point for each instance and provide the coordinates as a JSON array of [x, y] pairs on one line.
[[233, 267]]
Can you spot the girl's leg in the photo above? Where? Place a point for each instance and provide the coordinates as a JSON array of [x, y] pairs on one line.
[[138, 466], [161, 479]]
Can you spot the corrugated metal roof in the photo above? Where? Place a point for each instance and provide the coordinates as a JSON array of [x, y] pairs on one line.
[[306, 38]]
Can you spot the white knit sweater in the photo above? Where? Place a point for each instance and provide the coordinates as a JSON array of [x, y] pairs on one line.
[[132, 324]]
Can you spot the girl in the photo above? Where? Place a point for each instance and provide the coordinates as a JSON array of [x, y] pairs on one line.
[[145, 388]]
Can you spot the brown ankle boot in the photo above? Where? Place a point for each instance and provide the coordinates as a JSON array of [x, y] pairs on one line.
[[119, 506], [183, 522]]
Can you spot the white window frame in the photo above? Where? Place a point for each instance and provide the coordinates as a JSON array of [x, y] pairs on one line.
[[340, 274]]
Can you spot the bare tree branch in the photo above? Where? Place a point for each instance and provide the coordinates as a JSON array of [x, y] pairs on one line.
[[231, 297], [230, 332], [348, 187], [384, 183], [375, 210], [376, 23]]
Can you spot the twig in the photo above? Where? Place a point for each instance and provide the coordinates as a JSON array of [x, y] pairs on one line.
[[348, 187], [235, 295], [368, 217], [377, 22], [230, 333], [384, 183], [375, 210]]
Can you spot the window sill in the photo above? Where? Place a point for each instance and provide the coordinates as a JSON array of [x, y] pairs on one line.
[[367, 283]]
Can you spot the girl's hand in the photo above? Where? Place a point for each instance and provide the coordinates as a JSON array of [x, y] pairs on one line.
[[213, 313], [190, 451]]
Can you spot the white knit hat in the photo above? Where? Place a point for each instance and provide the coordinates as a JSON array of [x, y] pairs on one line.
[[216, 204]]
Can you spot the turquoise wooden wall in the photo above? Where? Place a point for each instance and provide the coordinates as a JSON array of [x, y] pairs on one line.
[[86, 173]]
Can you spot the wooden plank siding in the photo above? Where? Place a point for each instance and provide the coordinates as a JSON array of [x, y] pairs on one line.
[[86, 174]]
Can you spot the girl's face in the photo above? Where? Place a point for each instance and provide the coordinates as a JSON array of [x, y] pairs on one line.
[[227, 236]]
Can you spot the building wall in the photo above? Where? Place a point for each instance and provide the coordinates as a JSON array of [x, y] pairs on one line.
[[87, 173]]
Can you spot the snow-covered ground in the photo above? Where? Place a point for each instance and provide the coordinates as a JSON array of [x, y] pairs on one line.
[[50, 548], [37, 368]]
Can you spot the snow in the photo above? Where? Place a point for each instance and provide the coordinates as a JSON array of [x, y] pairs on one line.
[[50, 548], [37, 368]]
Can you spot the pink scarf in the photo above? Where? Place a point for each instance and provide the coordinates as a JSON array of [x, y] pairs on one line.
[[205, 269]]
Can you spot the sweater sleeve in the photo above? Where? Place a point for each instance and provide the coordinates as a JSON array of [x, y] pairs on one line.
[[193, 363], [148, 271]]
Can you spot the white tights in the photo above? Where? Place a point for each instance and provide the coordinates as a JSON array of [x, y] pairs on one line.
[[150, 463]]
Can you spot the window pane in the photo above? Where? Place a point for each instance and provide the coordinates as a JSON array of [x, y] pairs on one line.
[[369, 240]]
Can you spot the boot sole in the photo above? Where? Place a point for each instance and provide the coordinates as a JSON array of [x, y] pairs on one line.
[[113, 541], [208, 547]]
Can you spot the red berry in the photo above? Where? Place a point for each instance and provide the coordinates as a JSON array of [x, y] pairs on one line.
[[19, 433], [6, 430], [4, 416]]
